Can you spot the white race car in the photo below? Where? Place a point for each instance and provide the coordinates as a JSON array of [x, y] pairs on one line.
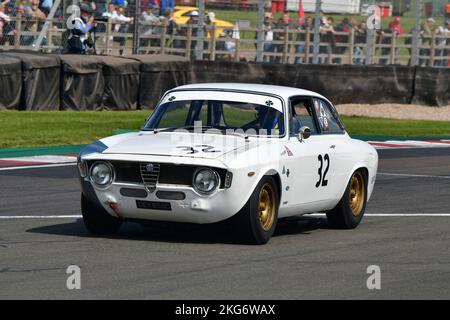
[[245, 153]]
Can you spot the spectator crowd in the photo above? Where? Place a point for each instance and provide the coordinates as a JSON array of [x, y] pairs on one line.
[[334, 35], [334, 39]]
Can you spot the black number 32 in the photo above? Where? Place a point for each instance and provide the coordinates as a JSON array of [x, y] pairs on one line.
[[322, 177]]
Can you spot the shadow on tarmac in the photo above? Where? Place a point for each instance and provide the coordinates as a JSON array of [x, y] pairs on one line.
[[182, 233]]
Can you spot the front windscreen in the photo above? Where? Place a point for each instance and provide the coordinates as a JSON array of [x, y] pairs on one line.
[[247, 117]]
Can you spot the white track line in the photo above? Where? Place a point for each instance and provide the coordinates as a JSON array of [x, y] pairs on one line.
[[401, 215], [54, 159], [39, 166], [42, 217], [412, 175]]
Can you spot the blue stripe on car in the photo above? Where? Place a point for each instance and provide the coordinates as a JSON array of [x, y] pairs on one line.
[[95, 147]]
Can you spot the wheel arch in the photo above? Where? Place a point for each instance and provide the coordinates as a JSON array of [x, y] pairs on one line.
[[277, 178], [357, 167]]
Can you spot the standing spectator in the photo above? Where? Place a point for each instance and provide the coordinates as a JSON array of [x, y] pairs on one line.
[[426, 34], [111, 13], [396, 27], [35, 16], [442, 39], [360, 42], [149, 16], [227, 45], [35, 12], [100, 8], [10, 28], [301, 37], [25, 16], [327, 37], [193, 24], [394, 30], [209, 21], [4, 20], [78, 41], [343, 27], [148, 21], [172, 28], [120, 22], [268, 37], [46, 6], [283, 22], [121, 26]]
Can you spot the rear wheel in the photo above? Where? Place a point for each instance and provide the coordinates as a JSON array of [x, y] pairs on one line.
[[350, 210], [97, 220], [257, 220]]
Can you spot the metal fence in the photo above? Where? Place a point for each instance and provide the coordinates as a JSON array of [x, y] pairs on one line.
[[242, 31]]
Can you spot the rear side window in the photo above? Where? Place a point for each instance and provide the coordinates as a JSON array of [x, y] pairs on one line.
[[327, 117]]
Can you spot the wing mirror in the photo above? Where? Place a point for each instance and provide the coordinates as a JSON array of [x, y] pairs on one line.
[[305, 133]]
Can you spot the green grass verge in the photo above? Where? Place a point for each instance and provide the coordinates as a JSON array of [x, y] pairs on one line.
[[400, 128], [28, 129]]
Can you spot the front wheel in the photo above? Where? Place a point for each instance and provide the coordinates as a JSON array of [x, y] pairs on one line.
[[350, 209], [97, 220], [257, 220]]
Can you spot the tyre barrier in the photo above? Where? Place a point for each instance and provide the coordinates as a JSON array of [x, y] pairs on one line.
[[31, 81]]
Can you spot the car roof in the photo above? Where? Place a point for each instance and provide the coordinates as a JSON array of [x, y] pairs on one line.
[[284, 92]]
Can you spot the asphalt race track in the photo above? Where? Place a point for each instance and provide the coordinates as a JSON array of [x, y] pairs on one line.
[[406, 233]]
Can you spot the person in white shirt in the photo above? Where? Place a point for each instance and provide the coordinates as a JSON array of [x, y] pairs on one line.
[[121, 26], [4, 19], [116, 16]]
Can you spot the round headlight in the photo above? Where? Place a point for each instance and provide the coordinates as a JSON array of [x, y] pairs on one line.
[[206, 181], [102, 174]]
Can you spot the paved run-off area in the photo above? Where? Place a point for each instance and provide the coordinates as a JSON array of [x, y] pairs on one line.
[[406, 233]]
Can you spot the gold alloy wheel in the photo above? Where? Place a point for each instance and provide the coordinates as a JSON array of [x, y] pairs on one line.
[[357, 190], [266, 207]]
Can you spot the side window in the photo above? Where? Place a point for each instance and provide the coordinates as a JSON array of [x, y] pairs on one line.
[[328, 120], [301, 114]]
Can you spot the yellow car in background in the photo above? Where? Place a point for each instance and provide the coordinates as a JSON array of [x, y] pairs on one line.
[[182, 14]]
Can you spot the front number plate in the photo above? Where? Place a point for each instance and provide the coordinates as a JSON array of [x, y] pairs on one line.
[[153, 205]]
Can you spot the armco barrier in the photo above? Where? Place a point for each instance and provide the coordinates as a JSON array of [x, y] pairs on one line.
[[117, 83]]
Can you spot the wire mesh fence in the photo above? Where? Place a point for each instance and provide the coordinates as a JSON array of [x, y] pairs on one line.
[[407, 32]]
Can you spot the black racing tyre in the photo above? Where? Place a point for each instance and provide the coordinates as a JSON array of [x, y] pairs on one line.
[[257, 220], [97, 220], [350, 209]]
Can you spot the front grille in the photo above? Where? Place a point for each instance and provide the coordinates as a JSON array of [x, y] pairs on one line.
[[150, 175], [128, 172], [162, 173]]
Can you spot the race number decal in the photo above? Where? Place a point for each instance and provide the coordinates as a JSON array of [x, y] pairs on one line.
[[195, 149], [322, 177], [189, 150]]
